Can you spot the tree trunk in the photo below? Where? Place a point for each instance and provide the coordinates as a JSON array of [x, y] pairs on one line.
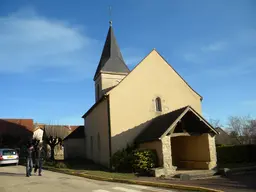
[[52, 152]]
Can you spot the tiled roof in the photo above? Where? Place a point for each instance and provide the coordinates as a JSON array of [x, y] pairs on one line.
[[17, 127], [41, 126], [26, 123]]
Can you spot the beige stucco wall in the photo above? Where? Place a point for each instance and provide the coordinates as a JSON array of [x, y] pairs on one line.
[[107, 81], [97, 123], [74, 148], [132, 102], [155, 145], [190, 151]]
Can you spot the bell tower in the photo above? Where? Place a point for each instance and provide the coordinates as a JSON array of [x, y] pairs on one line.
[[111, 68]]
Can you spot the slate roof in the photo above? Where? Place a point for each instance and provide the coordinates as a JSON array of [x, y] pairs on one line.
[[111, 58], [159, 125], [77, 133], [156, 128]]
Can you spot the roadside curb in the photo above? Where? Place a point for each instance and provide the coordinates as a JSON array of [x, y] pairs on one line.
[[137, 182], [227, 172]]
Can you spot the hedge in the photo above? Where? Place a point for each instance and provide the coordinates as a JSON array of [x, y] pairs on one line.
[[236, 154]]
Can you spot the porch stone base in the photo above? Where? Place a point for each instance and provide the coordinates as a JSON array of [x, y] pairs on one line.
[[212, 150], [168, 168], [194, 164], [160, 171]]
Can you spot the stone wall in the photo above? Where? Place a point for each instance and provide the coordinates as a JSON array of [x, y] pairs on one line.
[[212, 151], [167, 155]]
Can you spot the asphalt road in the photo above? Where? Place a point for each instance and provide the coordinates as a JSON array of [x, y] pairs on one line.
[[12, 179]]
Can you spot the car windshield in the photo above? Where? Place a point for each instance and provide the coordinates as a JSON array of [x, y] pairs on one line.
[[9, 152]]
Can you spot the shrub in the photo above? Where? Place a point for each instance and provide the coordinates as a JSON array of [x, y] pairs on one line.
[[134, 160], [236, 154], [144, 160], [122, 160], [60, 165]]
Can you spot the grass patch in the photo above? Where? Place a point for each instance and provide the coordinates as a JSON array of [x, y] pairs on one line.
[[87, 167], [236, 165]]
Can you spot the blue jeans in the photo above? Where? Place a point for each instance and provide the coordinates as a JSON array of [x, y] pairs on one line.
[[40, 162], [38, 166], [29, 166]]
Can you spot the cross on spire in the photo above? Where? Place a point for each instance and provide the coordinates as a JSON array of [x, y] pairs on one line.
[[110, 19], [111, 58]]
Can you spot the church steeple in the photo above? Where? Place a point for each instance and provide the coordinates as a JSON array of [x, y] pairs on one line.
[[111, 68], [111, 58]]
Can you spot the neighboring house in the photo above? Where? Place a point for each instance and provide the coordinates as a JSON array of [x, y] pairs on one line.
[[74, 144], [223, 138], [38, 132], [151, 105], [15, 132], [39, 129], [248, 140]]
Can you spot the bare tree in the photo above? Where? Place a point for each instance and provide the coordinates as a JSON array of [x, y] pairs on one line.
[[215, 123], [250, 131], [244, 128], [53, 136]]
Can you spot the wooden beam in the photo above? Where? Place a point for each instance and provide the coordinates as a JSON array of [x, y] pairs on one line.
[[185, 134], [179, 134]]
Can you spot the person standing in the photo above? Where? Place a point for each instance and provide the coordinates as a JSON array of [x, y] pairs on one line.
[[39, 159], [29, 165]]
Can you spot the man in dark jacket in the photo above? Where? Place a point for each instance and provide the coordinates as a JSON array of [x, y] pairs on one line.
[[39, 159], [29, 165]]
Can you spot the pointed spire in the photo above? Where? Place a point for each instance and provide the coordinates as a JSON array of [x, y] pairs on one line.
[[110, 20], [111, 58]]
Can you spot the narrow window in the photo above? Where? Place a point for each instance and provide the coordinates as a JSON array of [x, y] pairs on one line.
[[91, 146], [98, 92], [158, 104], [99, 147]]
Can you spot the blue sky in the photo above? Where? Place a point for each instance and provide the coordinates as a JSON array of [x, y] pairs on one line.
[[49, 51]]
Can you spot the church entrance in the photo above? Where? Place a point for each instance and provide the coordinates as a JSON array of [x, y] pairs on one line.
[[190, 144], [190, 152]]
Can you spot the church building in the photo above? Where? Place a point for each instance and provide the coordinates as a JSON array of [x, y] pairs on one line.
[[152, 106]]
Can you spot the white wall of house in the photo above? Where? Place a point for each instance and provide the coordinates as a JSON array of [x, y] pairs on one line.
[[38, 134], [74, 148]]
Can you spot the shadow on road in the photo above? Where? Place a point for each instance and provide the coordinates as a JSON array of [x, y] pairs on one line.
[[12, 174], [244, 182]]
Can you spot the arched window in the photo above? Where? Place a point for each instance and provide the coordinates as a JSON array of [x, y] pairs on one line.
[[158, 104], [99, 144]]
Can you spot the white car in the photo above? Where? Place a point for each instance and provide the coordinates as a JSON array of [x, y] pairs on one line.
[[8, 156]]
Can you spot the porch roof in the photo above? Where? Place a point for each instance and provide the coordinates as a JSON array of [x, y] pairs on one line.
[[163, 124]]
